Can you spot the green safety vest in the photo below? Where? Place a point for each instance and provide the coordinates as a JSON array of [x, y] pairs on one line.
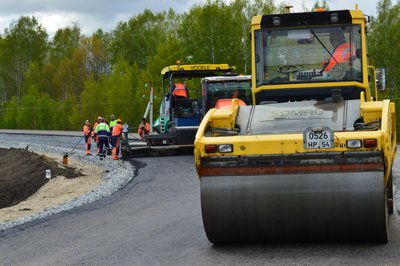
[[112, 123], [102, 129]]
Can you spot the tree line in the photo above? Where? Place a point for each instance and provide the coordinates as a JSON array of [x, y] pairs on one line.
[[57, 83]]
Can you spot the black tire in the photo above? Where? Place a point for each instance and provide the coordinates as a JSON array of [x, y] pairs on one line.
[[389, 189], [385, 236]]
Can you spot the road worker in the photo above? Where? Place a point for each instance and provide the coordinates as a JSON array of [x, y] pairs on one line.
[[341, 50], [227, 103], [116, 139], [144, 128], [112, 123], [87, 130], [94, 135], [102, 130], [235, 94]]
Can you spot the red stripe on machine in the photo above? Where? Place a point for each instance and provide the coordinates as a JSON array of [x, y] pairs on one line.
[[292, 169]]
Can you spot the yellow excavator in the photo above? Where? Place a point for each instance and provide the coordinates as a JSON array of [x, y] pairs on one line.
[[311, 159]]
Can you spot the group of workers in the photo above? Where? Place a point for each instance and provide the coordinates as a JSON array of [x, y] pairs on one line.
[[104, 133]]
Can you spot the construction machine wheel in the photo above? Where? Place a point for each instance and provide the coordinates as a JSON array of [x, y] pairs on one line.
[[389, 189], [318, 207]]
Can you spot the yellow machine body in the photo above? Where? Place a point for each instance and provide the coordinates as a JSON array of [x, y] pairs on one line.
[[311, 160], [196, 67]]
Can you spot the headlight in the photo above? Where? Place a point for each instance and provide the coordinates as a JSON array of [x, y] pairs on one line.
[[334, 17], [354, 143], [276, 21], [224, 148]]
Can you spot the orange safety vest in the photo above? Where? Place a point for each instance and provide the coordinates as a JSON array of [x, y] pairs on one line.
[[117, 129], [94, 128], [86, 130], [180, 90], [146, 129], [341, 54]]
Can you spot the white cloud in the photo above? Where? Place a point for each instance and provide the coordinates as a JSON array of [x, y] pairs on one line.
[[89, 14], [5, 21], [93, 14], [54, 21]]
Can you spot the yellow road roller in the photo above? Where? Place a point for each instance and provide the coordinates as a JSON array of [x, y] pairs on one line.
[[311, 159]]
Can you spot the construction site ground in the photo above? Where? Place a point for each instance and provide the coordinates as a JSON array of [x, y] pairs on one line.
[[24, 188], [156, 220]]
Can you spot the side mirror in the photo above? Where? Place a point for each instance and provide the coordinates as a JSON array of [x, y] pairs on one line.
[[381, 79]]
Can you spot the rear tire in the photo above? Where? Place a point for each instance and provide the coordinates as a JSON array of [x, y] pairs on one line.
[[385, 236], [389, 189]]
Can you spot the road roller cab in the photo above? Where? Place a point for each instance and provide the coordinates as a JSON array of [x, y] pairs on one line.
[[312, 159]]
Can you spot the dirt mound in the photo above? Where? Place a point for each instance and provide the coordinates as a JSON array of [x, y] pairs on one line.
[[22, 173]]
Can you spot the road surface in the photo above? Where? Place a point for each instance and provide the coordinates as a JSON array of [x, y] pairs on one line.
[[156, 220]]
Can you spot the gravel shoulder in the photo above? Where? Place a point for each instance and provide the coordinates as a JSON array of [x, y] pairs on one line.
[[100, 179]]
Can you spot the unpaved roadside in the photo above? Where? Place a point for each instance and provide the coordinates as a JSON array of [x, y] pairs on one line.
[[57, 191]]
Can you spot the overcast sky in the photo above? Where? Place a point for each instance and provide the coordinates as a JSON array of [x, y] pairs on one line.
[[93, 14]]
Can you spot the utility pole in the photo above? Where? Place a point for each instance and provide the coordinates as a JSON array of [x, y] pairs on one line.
[[149, 107]]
